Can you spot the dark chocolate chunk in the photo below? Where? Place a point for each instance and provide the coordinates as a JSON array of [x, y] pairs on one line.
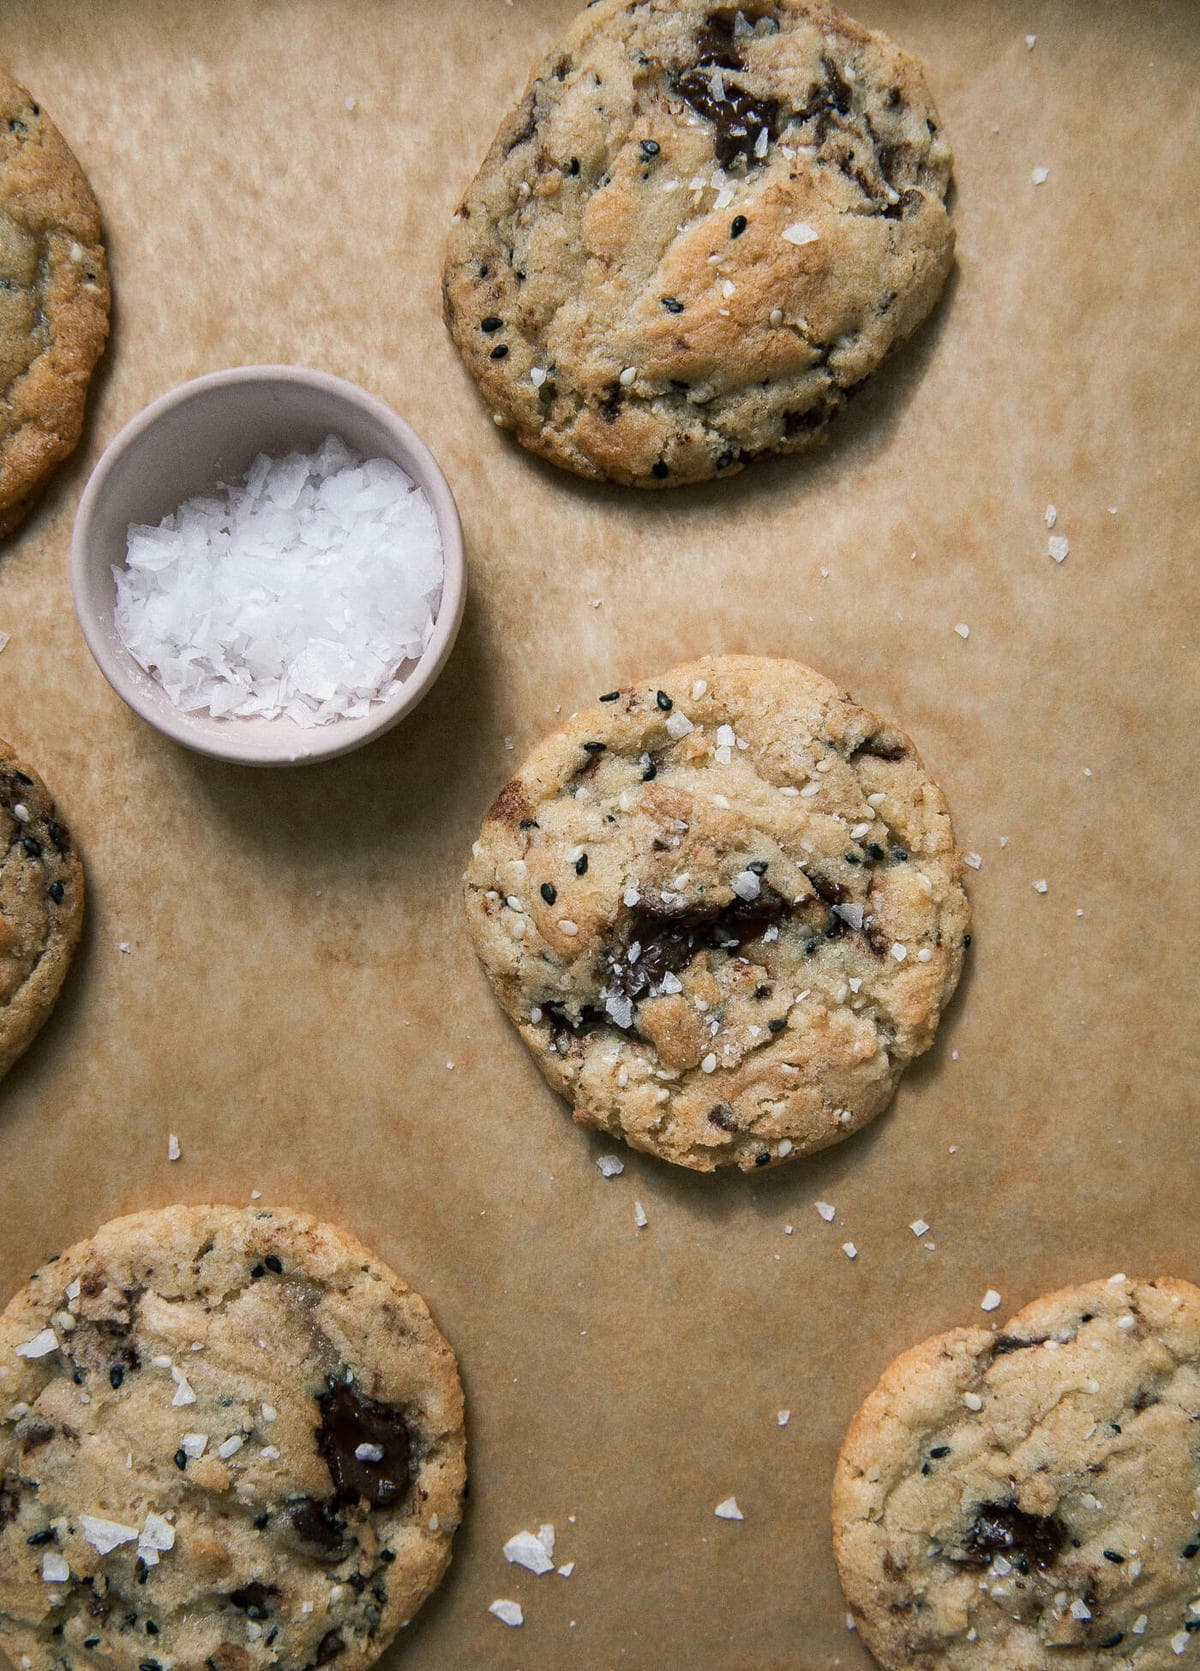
[[722, 1116], [349, 1419], [330, 1646], [1004, 1529], [253, 1599], [318, 1526], [670, 941]]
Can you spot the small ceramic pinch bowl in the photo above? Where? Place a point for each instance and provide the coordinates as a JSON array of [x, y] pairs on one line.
[[211, 430]]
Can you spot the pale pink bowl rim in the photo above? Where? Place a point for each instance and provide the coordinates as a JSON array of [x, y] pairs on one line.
[[219, 739]]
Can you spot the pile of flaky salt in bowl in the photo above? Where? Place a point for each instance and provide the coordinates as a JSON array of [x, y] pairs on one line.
[[303, 589]]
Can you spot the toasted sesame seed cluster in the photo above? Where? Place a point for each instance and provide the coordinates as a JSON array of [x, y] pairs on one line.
[[723, 910], [1030, 1499], [700, 229], [54, 298], [41, 905], [231, 1439]]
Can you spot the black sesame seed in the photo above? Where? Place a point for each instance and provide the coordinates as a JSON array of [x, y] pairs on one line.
[[1191, 1626], [777, 1025], [853, 859], [1190, 1551], [387, 1555], [261, 1521], [528, 824], [41, 1537], [91, 1641], [762, 991], [650, 772], [181, 1460], [150, 1665], [548, 892], [1112, 1555], [55, 891], [257, 1271], [581, 864], [725, 460], [79, 1377], [490, 324], [940, 1451], [650, 148], [758, 866], [610, 696], [810, 947], [23, 777], [595, 748], [664, 701], [925, 1469], [53, 831], [875, 850], [1112, 1641], [116, 1375], [151, 1628], [761, 1160], [672, 304], [659, 470], [32, 846], [499, 351], [966, 940], [737, 226], [574, 168], [899, 855], [274, 1263]]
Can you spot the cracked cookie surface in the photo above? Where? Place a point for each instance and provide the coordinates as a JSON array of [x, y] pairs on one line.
[[701, 227], [723, 910], [54, 299], [41, 905], [1030, 1499], [228, 1438]]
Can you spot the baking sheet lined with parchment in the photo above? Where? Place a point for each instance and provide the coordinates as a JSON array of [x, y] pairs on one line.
[[275, 965]]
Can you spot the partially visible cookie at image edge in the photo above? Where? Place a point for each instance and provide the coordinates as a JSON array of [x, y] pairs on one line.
[[228, 1437], [701, 228], [41, 905], [723, 909], [54, 299], [1028, 1499]]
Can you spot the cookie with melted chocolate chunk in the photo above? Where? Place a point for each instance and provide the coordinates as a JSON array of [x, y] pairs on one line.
[[41, 905], [700, 230], [232, 1438], [724, 910], [1027, 1500], [54, 299]]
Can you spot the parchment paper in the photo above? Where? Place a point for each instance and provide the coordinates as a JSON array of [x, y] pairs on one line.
[[297, 981]]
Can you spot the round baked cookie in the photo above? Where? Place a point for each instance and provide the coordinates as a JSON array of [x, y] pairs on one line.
[[1030, 1500], [699, 230], [723, 910], [54, 298], [228, 1439], [41, 905]]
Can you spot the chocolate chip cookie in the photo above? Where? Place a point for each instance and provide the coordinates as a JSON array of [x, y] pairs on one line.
[[41, 905], [228, 1439], [702, 227], [54, 299], [1030, 1499], [723, 910]]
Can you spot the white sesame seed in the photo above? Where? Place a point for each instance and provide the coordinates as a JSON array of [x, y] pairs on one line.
[[776, 313], [924, 955], [972, 1401], [709, 1064], [699, 689], [567, 927], [629, 375], [1126, 1322], [537, 376], [20, 812]]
